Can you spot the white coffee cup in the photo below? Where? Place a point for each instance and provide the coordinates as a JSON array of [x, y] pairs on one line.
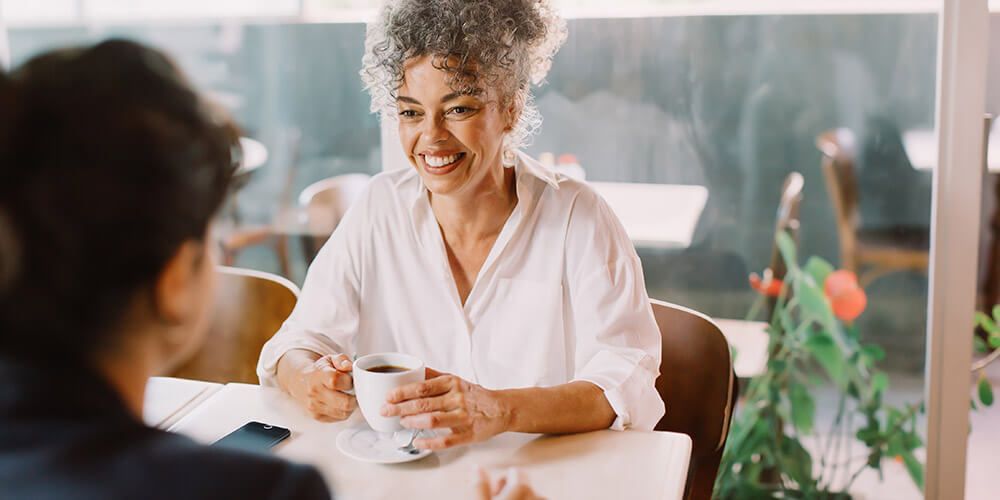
[[372, 388]]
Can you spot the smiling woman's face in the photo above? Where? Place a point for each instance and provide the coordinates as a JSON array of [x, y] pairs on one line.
[[454, 140]]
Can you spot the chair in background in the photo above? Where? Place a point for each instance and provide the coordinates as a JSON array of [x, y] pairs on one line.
[[750, 338], [324, 204], [871, 253], [239, 236], [698, 387], [250, 307]]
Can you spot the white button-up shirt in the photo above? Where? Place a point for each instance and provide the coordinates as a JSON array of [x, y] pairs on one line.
[[559, 298]]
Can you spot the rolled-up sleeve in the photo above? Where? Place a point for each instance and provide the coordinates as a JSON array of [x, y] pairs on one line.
[[325, 319], [617, 340]]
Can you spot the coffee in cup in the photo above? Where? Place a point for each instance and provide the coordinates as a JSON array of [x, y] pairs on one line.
[[375, 376]]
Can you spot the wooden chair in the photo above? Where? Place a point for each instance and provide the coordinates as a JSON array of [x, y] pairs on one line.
[[324, 203], [787, 219], [872, 253], [249, 307], [750, 338], [698, 387]]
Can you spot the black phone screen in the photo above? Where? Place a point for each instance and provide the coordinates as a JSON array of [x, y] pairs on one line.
[[254, 436]]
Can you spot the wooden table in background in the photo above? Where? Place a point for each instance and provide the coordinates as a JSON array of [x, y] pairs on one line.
[[921, 149]]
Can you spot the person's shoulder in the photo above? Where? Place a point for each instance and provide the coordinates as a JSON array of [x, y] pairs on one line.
[[208, 472], [393, 181], [387, 190]]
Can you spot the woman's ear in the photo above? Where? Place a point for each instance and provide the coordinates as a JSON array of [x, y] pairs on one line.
[[512, 113]]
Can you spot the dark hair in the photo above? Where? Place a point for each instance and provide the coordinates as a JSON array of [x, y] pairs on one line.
[[109, 162]]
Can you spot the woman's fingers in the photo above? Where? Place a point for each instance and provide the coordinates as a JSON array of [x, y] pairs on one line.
[[437, 420], [483, 485], [426, 389], [419, 406], [341, 362], [457, 437]]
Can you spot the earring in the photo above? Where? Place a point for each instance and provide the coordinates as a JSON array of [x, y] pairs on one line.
[[509, 159]]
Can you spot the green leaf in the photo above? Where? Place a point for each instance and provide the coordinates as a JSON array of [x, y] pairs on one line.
[[777, 365], [819, 269], [985, 392], [803, 408], [829, 356], [874, 352], [986, 323], [979, 344], [915, 468], [852, 390], [912, 441], [895, 445], [797, 462], [994, 341], [996, 313], [786, 245], [880, 382]]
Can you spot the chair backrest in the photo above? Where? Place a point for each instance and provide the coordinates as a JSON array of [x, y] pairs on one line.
[[325, 202], [838, 159], [787, 219], [698, 387], [249, 307]]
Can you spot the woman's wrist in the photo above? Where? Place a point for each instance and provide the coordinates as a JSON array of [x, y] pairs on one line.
[[507, 409], [290, 370]]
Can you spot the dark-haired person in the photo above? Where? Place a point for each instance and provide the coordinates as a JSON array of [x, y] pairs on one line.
[[111, 168]]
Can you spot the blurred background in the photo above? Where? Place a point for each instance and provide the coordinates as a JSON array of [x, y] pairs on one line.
[[726, 97]]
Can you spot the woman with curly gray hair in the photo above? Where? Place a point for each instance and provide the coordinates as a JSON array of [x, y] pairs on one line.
[[518, 283]]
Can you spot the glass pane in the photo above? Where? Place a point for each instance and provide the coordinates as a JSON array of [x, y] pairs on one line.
[[688, 122], [295, 91], [664, 114]]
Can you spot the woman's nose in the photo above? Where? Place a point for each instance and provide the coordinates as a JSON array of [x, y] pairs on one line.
[[434, 130]]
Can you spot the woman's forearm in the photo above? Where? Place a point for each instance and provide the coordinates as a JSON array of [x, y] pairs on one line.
[[574, 407]]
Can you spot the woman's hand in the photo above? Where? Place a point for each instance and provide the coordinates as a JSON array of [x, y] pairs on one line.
[[510, 486], [445, 401], [318, 384]]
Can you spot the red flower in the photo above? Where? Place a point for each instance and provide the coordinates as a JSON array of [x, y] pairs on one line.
[[767, 286], [847, 298]]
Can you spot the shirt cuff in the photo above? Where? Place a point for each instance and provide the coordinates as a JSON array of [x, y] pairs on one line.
[[629, 386], [282, 342]]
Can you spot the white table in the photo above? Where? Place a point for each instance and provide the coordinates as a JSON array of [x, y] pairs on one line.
[[921, 148], [656, 215], [749, 339], [604, 464], [169, 399]]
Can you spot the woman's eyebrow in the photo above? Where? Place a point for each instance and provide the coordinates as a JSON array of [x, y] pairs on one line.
[[456, 95]]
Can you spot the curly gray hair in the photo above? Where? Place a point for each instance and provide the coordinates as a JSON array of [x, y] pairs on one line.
[[506, 45]]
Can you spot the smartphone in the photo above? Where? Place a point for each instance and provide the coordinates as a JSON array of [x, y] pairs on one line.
[[254, 436]]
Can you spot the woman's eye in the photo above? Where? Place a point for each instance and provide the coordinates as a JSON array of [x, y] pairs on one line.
[[408, 113], [460, 110]]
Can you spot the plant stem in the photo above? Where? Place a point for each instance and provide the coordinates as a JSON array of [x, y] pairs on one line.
[[983, 363]]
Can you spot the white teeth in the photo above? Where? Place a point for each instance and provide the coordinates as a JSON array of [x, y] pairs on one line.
[[440, 161]]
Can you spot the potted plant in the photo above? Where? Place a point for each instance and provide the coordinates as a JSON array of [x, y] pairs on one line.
[[814, 342]]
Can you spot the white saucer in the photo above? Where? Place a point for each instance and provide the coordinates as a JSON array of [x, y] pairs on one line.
[[366, 445]]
